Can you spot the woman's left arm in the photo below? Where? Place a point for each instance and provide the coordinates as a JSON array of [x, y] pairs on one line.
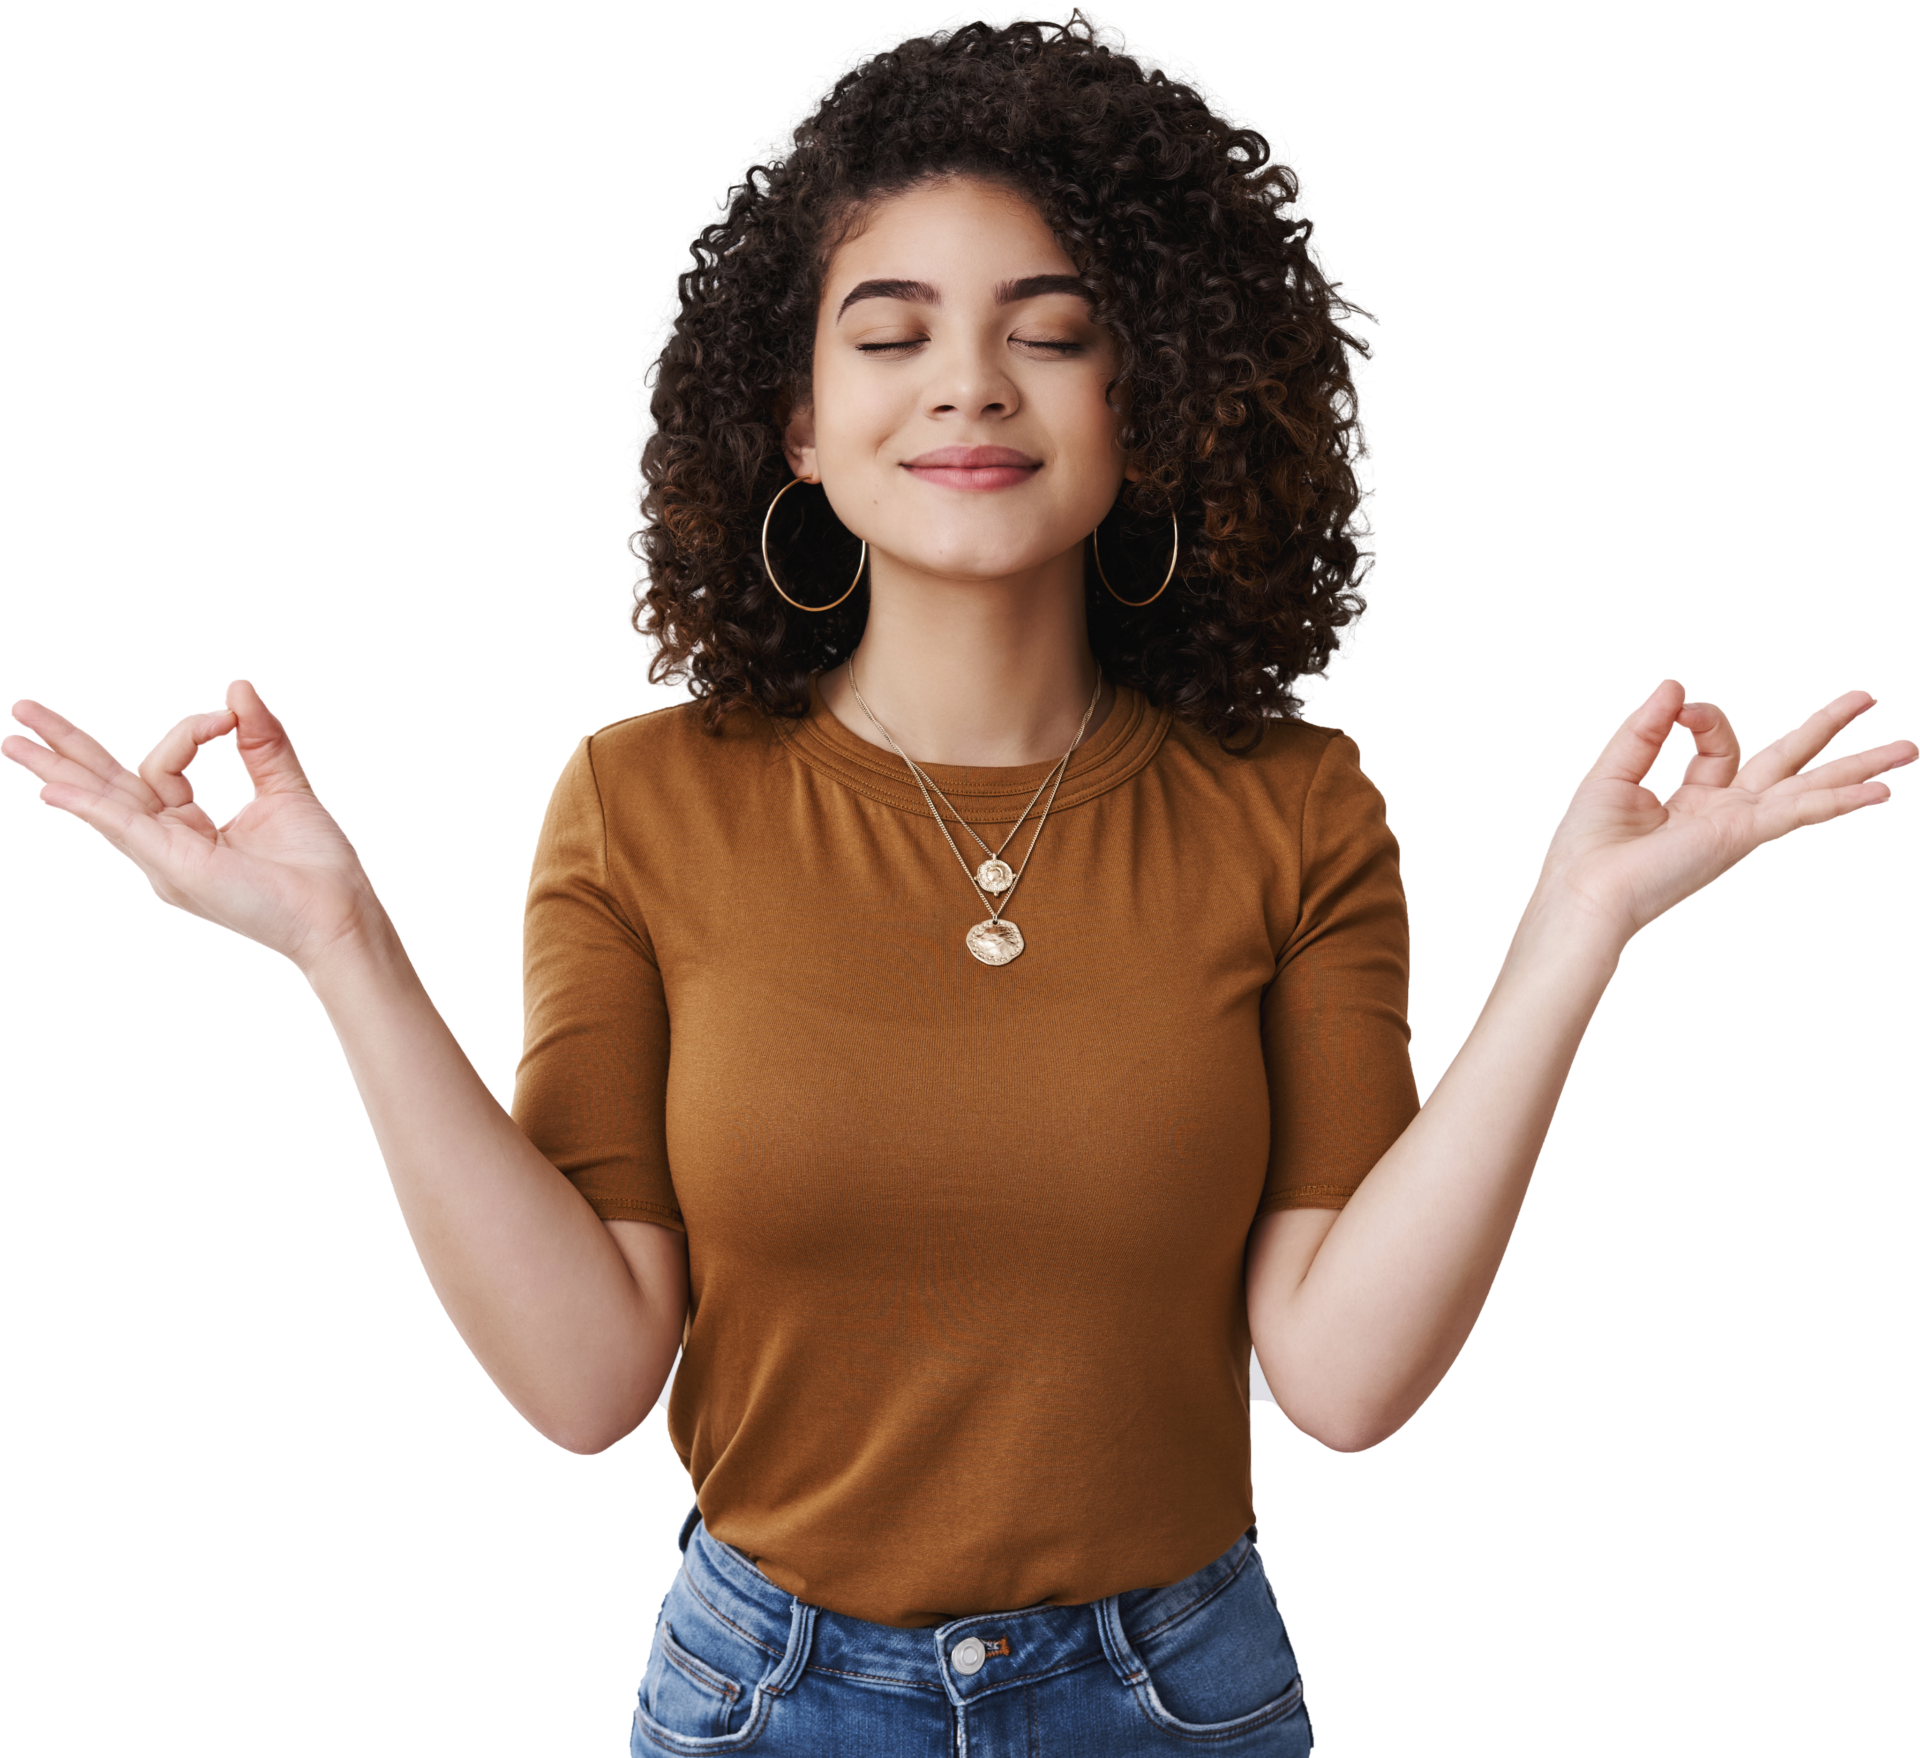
[[1357, 1313]]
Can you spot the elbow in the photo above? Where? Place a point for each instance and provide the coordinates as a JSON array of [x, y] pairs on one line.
[[584, 1441], [1350, 1437], [586, 1437], [1332, 1404], [590, 1418], [589, 1428], [1349, 1430]]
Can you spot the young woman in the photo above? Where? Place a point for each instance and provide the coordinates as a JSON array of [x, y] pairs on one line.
[[978, 1018]]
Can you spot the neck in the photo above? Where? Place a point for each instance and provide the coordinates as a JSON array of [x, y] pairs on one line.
[[981, 673]]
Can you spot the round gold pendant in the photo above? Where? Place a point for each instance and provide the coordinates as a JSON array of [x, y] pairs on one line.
[[993, 875], [995, 942]]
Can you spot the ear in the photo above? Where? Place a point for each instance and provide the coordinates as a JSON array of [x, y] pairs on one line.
[[796, 440]]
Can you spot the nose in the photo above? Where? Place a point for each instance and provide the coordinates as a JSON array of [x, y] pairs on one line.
[[971, 382]]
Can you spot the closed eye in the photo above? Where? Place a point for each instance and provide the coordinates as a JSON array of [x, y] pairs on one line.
[[1062, 348]]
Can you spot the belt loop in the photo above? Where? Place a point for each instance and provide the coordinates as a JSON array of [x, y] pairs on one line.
[[1113, 1638], [799, 1646], [687, 1525]]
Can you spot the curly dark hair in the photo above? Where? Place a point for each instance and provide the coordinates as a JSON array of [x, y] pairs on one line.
[[1239, 395]]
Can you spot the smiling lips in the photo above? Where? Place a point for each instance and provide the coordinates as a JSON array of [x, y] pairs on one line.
[[974, 467]]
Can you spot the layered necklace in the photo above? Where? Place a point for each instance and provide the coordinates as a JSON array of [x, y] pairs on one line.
[[995, 941]]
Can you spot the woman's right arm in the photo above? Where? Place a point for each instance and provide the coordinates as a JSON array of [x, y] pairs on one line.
[[577, 1321]]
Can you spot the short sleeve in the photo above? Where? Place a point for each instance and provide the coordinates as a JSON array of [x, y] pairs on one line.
[[591, 1088], [1334, 1020]]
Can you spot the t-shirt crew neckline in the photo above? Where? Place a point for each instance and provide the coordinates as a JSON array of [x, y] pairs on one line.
[[1123, 745]]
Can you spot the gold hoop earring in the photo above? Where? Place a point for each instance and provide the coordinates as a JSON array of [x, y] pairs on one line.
[[766, 561], [1173, 561]]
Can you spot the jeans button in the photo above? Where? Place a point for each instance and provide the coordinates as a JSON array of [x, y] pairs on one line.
[[968, 1656]]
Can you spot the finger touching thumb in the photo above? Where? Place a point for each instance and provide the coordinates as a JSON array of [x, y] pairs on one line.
[[1654, 719], [1630, 752], [264, 745]]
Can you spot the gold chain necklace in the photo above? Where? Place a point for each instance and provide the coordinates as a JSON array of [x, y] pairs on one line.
[[994, 941]]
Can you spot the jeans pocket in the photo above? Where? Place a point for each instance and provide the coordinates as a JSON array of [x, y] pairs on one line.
[[698, 1694], [1223, 1669], [688, 1694]]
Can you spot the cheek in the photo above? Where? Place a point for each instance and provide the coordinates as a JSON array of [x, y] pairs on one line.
[[1090, 428], [1081, 402], [853, 414]]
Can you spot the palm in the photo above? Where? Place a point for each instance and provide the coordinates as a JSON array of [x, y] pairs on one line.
[[280, 858], [279, 872], [1629, 856]]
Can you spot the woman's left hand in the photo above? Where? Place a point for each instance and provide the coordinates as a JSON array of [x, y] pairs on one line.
[[1623, 857]]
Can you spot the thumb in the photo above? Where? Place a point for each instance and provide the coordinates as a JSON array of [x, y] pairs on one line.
[[264, 746], [1631, 751]]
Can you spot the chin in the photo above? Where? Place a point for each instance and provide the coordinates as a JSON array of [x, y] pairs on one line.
[[978, 555], [982, 569]]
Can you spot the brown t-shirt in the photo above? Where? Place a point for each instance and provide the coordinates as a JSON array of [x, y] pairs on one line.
[[967, 1328]]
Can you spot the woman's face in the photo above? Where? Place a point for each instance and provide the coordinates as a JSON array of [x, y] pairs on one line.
[[959, 420]]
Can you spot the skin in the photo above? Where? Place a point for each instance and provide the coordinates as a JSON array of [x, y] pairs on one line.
[[976, 652]]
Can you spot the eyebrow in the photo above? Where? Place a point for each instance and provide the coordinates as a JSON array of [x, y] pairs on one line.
[[1007, 293]]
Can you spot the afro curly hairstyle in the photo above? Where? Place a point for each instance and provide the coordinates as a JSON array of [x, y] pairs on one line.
[[1238, 390]]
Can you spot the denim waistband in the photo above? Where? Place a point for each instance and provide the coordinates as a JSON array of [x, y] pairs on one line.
[[1021, 1647]]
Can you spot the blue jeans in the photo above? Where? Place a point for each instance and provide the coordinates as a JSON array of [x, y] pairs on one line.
[[1202, 1666]]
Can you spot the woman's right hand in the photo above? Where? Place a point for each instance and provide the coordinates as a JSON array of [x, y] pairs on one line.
[[279, 872]]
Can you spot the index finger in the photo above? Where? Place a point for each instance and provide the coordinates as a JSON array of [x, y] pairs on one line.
[[164, 769], [1717, 751]]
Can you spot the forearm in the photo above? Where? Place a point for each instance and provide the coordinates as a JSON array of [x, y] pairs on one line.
[[1353, 1336], [527, 1272]]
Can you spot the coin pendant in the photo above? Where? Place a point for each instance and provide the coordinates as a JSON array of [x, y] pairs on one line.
[[995, 942], [993, 875]]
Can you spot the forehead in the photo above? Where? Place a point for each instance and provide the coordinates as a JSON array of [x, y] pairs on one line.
[[956, 232]]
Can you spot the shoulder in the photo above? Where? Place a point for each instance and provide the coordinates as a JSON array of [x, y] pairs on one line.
[[662, 768], [1293, 758], [1301, 788], [667, 766], [673, 747], [642, 740]]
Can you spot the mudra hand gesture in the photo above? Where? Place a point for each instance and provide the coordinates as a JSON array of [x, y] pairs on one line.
[[1627, 857], [1356, 1313], [280, 871]]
